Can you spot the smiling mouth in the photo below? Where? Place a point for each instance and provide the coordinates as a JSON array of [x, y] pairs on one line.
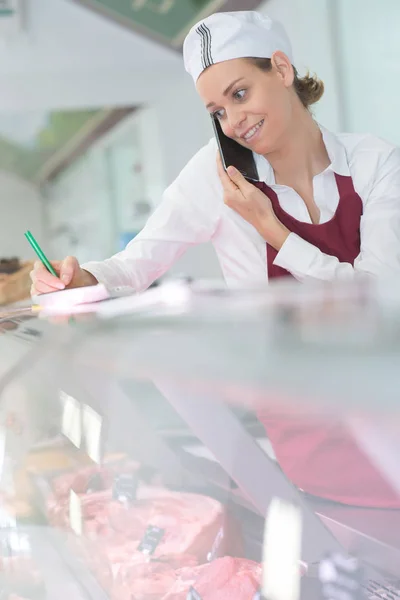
[[252, 132]]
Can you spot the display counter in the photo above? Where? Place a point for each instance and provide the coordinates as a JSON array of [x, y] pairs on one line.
[[134, 461]]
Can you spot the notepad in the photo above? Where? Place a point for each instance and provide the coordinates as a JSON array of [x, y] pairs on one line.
[[73, 297]]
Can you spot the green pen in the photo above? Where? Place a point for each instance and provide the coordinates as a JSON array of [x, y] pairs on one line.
[[40, 253]]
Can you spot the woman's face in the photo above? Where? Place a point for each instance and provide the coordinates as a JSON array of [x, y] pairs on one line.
[[254, 107]]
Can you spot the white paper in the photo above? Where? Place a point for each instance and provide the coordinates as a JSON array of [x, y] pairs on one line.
[[173, 294], [92, 426], [69, 298], [282, 551], [75, 513], [19, 542], [71, 419]]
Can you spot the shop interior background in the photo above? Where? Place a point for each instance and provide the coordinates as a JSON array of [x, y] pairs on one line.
[[96, 119]]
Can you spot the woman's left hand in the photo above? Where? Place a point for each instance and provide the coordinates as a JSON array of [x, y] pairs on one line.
[[251, 204]]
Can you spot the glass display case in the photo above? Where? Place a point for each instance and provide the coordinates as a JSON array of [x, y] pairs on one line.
[[193, 442]]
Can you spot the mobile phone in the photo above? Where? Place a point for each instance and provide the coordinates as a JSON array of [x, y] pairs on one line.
[[235, 155]]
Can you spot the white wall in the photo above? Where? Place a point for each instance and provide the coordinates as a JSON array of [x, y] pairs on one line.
[[88, 197], [370, 63], [20, 209], [78, 210], [354, 47], [310, 26]]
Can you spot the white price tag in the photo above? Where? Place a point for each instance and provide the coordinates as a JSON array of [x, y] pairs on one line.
[[92, 425], [75, 513], [71, 419], [282, 551], [19, 543]]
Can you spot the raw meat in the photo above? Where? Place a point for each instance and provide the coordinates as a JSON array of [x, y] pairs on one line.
[[79, 481], [224, 579], [148, 580], [190, 522], [194, 529], [188, 534]]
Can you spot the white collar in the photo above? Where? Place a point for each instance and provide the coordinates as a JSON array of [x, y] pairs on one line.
[[336, 152], [335, 149]]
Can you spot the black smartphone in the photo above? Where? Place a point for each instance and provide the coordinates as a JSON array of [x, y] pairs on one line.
[[235, 155]]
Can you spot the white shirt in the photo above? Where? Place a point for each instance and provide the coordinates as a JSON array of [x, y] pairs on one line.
[[193, 211]]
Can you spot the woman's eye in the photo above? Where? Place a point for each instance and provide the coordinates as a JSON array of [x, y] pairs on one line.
[[218, 114], [240, 94]]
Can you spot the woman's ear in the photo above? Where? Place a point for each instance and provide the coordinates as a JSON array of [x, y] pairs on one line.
[[283, 67]]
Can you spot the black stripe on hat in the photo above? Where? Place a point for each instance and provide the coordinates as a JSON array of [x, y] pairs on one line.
[[205, 34], [209, 55], [207, 45], [202, 35]]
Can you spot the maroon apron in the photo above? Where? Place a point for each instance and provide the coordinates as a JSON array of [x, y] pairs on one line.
[[319, 457]]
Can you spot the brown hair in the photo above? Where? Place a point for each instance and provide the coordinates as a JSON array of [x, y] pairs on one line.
[[308, 88]]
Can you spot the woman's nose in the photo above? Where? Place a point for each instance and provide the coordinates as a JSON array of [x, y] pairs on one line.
[[236, 120]]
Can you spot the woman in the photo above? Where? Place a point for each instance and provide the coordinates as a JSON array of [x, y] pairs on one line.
[[327, 207]]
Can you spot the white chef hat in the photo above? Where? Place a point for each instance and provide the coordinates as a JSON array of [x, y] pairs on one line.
[[228, 35]]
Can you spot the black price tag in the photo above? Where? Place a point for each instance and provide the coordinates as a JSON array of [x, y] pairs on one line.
[[125, 487], [341, 575], [193, 595], [95, 484], [151, 539]]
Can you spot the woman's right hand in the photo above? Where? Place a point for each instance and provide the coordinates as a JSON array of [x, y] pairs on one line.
[[70, 275]]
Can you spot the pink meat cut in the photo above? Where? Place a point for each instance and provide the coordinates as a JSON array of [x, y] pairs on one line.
[[79, 480], [149, 580], [191, 522], [112, 532], [224, 579]]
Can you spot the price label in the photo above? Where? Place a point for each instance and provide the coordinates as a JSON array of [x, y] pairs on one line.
[[151, 539], [125, 487], [193, 595], [282, 551], [75, 513], [341, 576], [92, 425], [19, 543], [71, 425]]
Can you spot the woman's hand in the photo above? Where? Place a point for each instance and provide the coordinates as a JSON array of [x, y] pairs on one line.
[[251, 204], [69, 273]]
